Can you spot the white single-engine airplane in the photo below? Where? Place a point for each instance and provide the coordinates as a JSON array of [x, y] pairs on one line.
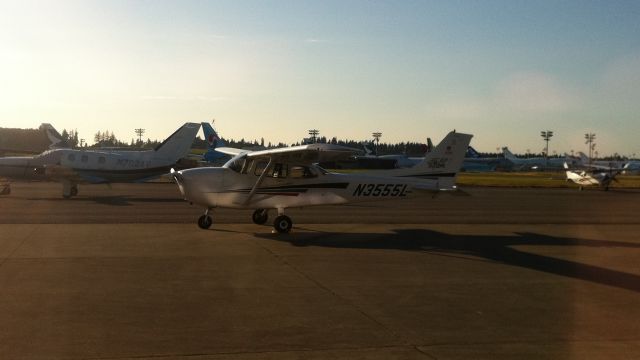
[[598, 176], [287, 177]]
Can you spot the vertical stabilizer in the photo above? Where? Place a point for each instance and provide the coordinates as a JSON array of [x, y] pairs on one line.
[[53, 135], [178, 144], [442, 164]]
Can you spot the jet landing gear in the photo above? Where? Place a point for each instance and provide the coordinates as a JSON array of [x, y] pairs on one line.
[[205, 221], [260, 216], [69, 190]]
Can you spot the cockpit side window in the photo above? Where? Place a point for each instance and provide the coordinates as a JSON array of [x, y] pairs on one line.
[[279, 171], [260, 167]]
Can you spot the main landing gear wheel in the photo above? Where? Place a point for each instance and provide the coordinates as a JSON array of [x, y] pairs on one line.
[[260, 216], [282, 224], [204, 222]]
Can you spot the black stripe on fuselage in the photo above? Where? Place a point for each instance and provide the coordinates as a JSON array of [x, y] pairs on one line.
[[301, 187], [430, 175]]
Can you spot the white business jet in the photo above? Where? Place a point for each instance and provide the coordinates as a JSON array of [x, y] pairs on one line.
[[99, 166], [287, 177]]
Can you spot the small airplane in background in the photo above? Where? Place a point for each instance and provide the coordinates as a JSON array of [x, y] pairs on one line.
[[596, 176], [601, 164], [99, 166], [535, 163], [474, 162], [288, 177]]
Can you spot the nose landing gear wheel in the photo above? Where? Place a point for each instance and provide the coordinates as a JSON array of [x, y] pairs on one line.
[[204, 222], [260, 216], [282, 224]]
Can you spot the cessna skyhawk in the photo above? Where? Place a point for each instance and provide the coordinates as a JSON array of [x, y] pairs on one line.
[[287, 177], [597, 175]]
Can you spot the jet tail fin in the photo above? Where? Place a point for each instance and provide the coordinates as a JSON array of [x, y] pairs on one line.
[[54, 136], [179, 143]]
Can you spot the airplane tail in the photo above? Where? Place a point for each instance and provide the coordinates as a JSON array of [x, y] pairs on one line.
[[509, 155], [472, 153], [214, 142], [179, 143], [367, 150], [212, 137], [443, 163], [54, 136], [584, 159]]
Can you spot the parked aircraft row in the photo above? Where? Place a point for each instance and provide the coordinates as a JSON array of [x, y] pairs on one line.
[[75, 166]]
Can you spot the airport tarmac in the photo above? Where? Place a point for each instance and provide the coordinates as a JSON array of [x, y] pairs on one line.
[[123, 272]]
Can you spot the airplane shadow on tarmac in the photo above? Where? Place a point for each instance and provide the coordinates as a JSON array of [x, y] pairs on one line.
[[493, 248]]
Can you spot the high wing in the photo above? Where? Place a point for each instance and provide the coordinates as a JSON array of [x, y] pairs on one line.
[[231, 151], [303, 154]]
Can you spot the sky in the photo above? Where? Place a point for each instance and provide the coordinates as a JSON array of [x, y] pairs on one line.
[[501, 70]]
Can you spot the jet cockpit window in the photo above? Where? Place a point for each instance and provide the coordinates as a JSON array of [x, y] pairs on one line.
[[301, 172]]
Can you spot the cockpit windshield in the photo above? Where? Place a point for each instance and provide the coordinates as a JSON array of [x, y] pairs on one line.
[[236, 163]]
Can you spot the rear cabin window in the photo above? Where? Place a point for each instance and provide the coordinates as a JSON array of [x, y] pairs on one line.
[[71, 157], [84, 158], [101, 160], [301, 172]]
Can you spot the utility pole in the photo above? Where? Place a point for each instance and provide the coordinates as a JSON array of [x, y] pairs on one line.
[[377, 136], [546, 135], [590, 137], [140, 132], [314, 135]]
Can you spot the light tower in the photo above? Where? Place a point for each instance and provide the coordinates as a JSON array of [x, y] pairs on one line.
[[590, 137], [377, 136], [314, 134], [546, 135], [140, 132]]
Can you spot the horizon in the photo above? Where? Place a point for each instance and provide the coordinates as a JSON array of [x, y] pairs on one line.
[[500, 70]]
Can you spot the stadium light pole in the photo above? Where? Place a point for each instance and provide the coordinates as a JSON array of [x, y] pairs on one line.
[[546, 135], [590, 137], [376, 136]]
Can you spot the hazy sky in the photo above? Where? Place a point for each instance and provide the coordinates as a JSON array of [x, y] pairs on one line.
[[501, 70]]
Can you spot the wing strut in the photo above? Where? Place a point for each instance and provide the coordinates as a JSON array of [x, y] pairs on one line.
[[259, 181]]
